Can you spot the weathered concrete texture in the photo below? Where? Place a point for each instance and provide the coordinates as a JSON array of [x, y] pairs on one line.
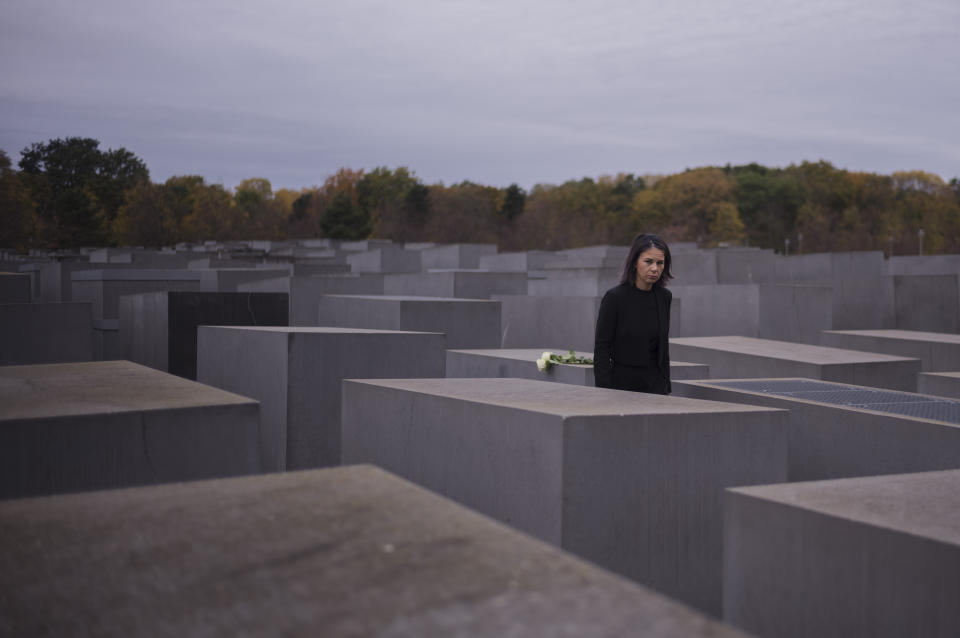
[[937, 351], [159, 329], [870, 557], [14, 287], [830, 266], [468, 323], [521, 364], [296, 375], [829, 441], [45, 333], [591, 285], [629, 481], [733, 357], [943, 384], [795, 312], [745, 265], [83, 426], [456, 256], [305, 292], [927, 302], [462, 284], [339, 552], [924, 265], [229, 279], [516, 262], [863, 303]]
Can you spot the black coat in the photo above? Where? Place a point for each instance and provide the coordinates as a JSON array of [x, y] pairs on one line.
[[612, 344]]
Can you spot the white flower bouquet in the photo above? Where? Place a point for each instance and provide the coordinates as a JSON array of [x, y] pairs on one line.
[[548, 359]]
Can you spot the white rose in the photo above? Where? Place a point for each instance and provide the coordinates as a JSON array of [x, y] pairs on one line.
[[541, 365], [546, 355]]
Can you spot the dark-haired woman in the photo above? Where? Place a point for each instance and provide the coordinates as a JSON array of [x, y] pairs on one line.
[[631, 348]]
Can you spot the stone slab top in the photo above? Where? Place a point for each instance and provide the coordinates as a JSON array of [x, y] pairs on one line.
[[907, 335], [100, 387], [560, 399], [532, 354], [926, 504], [350, 551], [124, 274], [415, 298], [787, 350], [949, 375], [322, 330]]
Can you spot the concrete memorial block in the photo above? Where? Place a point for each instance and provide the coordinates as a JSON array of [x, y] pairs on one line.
[[530, 320], [45, 333], [522, 364], [734, 357], [924, 265], [296, 374], [944, 384], [467, 323], [338, 552], [305, 292], [516, 262], [827, 267], [70, 427], [14, 287], [463, 284], [937, 351], [456, 256], [873, 557], [717, 310], [745, 265], [390, 258], [32, 270], [593, 286], [230, 279], [695, 267], [839, 430], [629, 481], [794, 312], [863, 303], [103, 288], [159, 329], [927, 302]]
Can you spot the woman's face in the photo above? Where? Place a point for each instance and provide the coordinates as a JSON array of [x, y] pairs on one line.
[[649, 267]]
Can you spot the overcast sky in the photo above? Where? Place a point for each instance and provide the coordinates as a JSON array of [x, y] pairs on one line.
[[494, 92]]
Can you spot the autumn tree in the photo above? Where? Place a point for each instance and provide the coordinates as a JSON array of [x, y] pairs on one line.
[[78, 189], [17, 215]]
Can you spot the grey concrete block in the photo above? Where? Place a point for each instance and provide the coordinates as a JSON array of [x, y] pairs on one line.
[[794, 312], [717, 310], [937, 351], [159, 329], [103, 288], [70, 427], [305, 292], [521, 364], [867, 302], [296, 374], [859, 436], [870, 557], [734, 357], [516, 262], [830, 266], [629, 481], [591, 286], [468, 323], [463, 284], [529, 321], [694, 268], [14, 287], [339, 552], [456, 256], [944, 384], [32, 333], [386, 259], [927, 302], [230, 279], [924, 265], [745, 265]]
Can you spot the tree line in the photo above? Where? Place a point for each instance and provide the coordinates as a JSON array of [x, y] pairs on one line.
[[67, 193]]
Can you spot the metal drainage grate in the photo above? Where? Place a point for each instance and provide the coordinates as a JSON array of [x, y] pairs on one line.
[[905, 403]]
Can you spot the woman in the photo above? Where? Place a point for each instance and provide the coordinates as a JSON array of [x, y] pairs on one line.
[[631, 349]]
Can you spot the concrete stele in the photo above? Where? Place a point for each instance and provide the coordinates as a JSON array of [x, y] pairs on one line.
[[84, 426], [296, 374], [869, 557], [747, 358], [339, 552], [629, 481], [937, 351]]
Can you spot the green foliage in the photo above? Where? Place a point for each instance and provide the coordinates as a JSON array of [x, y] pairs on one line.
[[343, 220], [78, 189], [17, 215], [514, 199]]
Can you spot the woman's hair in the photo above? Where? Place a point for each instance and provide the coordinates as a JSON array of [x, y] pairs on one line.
[[640, 244]]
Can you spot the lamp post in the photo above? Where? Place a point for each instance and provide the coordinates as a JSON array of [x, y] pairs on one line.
[[891, 247], [920, 241], [786, 247], [799, 243]]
